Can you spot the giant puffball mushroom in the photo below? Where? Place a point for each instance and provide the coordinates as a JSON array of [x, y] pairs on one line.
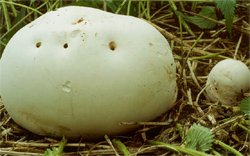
[[227, 81], [80, 71]]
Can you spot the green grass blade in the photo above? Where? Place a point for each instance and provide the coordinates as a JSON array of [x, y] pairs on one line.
[[121, 147], [227, 147], [6, 16], [21, 5], [179, 148]]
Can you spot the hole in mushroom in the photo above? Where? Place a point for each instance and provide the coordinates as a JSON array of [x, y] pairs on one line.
[[65, 45], [38, 44], [112, 45], [79, 21]]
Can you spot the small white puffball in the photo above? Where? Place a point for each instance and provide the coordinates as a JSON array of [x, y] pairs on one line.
[[79, 71], [228, 80]]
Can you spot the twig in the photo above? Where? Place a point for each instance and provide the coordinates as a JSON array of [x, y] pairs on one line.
[[216, 40], [232, 120], [193, 75], [110, 143], [238, 46], [146, 123], [178, 41], [43, 145], [2, 152]]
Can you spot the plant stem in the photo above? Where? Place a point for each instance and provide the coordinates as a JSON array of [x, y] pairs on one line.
[[120, 6], [6, 16], [128, 8], [179, 148], [244, 128], [180, 130], [227, 147]]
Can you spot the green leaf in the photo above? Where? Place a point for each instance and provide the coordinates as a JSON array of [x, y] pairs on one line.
[[199, 138], [227, 8], [245, 106], [121, 147], [56, 151], [202, 22]]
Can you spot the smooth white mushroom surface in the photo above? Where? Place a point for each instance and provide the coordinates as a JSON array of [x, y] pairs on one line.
[[227, 81], [80, 71]]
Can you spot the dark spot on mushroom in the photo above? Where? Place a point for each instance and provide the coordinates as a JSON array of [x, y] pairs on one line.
[[79, 21], [65, 45], [83, 36], [150, 44], [112, 45], [38, 44], [171, 64]]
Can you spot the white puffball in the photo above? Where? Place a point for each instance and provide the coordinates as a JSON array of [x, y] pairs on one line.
[[79, 71], [228, 80]]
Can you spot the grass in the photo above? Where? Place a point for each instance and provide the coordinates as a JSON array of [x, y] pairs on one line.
[[195, 51]]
